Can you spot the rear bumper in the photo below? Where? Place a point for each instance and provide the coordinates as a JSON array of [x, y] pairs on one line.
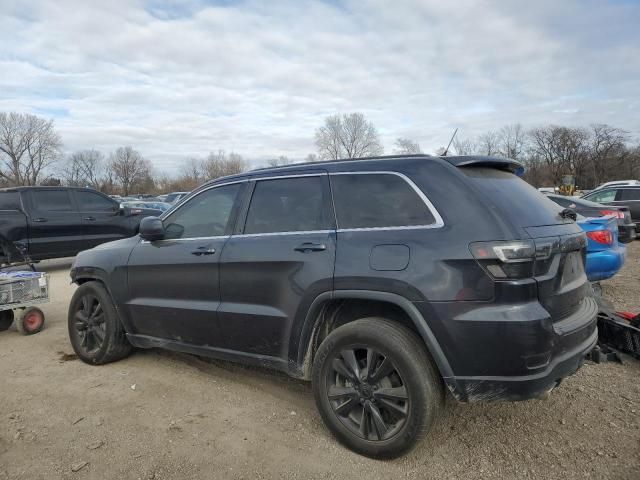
[[486, 389], [518, 352], [606, 263], [627, 233]]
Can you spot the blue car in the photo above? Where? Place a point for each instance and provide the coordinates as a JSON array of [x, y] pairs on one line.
[[605, 256]]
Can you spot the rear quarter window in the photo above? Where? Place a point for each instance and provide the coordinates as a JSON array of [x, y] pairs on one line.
[[377, 200], [524, 205]]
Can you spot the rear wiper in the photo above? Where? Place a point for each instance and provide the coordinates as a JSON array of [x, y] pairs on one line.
[[568, 213]]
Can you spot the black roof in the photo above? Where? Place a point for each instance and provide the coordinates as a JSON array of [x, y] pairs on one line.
[[456, 160], [41, 187]]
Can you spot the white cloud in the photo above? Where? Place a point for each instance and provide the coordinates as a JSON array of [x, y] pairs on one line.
[[259, 77]]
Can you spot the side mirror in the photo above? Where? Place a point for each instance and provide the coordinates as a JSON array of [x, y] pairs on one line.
[[151, 228]]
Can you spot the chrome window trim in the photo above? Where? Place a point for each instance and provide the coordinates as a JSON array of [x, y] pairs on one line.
[[271, 234], [185, 239], [438, 223]]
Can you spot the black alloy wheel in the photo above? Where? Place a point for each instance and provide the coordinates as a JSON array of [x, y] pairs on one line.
[[89, 323], [367, 393]]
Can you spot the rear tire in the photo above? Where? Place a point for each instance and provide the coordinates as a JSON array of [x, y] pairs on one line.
[[95, 331], [6, 319], [31, 321], [376, 387]]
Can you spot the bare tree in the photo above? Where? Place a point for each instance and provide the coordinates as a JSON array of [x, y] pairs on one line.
[[347, 136], [129, 169], [606, 142], [487, 144], [464, 146], [405, 146], [511, 141], [276, 162], [84, 168], [312, 157], [563, 149], [28, 145], [219, 164]]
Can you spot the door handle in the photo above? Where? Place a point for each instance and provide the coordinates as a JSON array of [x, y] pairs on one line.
[[310, 247], [203, 251], [89, 219], [39, 220]]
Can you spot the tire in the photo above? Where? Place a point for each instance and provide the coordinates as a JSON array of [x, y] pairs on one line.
[[6, 319], [95, 330], [401, 406], [31, 321]]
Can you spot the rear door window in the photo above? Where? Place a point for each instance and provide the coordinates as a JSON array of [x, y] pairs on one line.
[[628, 194], [52, 201], [298, 204], [524, 205], [377, 200], [604, 196]]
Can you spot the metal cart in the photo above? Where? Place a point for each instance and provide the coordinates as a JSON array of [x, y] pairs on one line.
[[21, 290]]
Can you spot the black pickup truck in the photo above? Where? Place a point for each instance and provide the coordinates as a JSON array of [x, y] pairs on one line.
[[53, 222]]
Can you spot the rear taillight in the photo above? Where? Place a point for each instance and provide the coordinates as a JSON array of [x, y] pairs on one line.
[[603, 237], [615, 213], [506, 260]]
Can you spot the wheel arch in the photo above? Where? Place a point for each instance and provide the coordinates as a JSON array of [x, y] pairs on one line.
[[315, 318]]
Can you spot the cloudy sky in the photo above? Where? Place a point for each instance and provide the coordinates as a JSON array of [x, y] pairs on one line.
[[257, 77]]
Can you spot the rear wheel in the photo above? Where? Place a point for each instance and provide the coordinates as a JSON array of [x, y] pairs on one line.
[[376, 387], [31, 321], [95, 331], [6, 319]]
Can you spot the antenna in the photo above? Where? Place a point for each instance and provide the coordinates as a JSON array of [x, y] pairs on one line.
[[450, 141]]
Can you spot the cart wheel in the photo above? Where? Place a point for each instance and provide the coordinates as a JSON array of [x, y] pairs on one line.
[[6, 319], [31, 321]]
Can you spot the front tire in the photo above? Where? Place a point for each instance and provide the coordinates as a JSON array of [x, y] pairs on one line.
[[95, 331], [376, 387]]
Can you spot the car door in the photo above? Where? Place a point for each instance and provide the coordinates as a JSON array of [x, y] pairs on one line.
[[55, 227], [102, 220], [630, 197], [173, 283], [281, 258]]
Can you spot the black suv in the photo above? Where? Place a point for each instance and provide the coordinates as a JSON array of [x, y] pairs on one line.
[[384, 281]]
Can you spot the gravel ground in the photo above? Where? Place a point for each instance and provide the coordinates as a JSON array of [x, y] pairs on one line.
[[160, 415]]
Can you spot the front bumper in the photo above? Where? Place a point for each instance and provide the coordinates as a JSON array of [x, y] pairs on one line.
[[606, 263]]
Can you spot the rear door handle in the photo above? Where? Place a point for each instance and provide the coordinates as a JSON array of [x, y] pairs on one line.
[[90, 219], [310, 247], [39, 220], [203, 251]]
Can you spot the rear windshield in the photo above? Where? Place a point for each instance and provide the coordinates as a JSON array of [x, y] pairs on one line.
[[525, 206]]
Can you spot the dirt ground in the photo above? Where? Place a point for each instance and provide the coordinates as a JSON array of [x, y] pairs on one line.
[[160, 415]]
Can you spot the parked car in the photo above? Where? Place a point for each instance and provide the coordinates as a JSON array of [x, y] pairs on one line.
[[547, 190], [52, 222], [161, 206], [384, 281], [586, 208], [627, 196], [174, 197], [618, 183], [605, 255]]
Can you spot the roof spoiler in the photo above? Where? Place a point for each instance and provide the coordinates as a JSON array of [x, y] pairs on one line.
[[500, 163]]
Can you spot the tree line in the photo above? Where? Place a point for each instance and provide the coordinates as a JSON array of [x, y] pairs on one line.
[[31, 153]]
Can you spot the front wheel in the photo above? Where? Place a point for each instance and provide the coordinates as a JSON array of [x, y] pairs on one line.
[[95, 331], [376, 387]]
